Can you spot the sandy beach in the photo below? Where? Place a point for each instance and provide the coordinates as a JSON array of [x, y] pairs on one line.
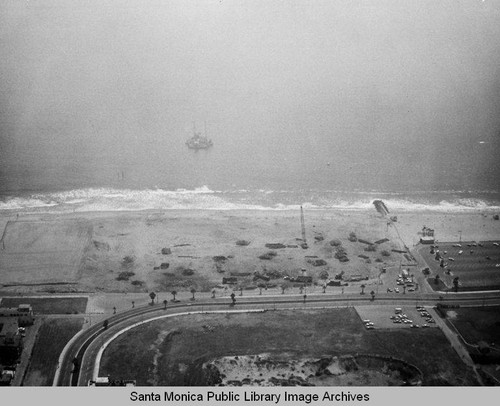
[[122, 251]]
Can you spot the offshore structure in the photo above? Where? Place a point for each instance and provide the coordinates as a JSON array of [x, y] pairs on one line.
[[198, 141]]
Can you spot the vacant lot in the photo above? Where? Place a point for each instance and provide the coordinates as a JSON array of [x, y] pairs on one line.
[[476, 267], [56, 305], [52, 337], [43, 251], [171, 352], [478, 324]]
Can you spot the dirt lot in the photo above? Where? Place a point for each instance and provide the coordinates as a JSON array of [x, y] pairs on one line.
[[43, 251], [472, 266], [171, 352]]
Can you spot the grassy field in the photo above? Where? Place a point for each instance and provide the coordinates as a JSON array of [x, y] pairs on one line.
[[475, 266], [58, 305], [478, 324], [171, 352], [52, 337]]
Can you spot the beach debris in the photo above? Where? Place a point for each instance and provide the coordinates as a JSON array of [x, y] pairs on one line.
[[300, 279], [371, 248], [101, 245], [275, 246], [341, 254], [292, 246], [381, 241], [124, 276], [137, 283], [268, 255], [164, 265], [258, 276], [234, 273], [335, 242], [352, 237], [398, 251], [363, 256], [385, 253], [319, 237], [219, 258], [182, 245], [155, 268], [495, 217], [394, 219], [187, 271], [381, 207], [365, 241], [128, 261], [317, 262], [357, 278], [242, 243], [323, 275], [166, 251]]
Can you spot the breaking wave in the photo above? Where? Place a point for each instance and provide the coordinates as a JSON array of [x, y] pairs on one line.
[[203, 198]]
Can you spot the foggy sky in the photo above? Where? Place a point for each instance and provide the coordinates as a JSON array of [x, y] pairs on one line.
[[414, 84]]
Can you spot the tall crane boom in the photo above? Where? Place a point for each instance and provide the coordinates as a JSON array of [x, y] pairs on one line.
[[303, 225]]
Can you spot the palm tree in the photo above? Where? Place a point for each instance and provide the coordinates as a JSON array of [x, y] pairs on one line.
[[305, 297], [213, 293], [324, 288], [373, 294], [193, 291], [284, 286], [133, 304], [165, 304], [404, 289], [114, 310], [233, 298], [152, 295], [174, 292], [455, 284], [261, 286], [362, 289]]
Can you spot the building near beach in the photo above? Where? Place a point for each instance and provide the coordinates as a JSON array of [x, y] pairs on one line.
[[427, 236]]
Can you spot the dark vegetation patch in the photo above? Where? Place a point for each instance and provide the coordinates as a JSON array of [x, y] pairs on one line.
[[52, 337], [49, 305]]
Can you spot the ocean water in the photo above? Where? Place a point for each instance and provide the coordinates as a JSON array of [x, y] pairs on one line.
[[330, 105]]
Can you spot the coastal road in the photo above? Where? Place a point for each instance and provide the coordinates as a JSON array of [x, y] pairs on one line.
[[85, 346]]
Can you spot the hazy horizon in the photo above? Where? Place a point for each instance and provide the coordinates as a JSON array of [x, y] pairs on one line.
[[359, 95]]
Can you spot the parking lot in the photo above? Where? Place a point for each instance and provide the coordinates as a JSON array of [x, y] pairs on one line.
[[380, 316], [477, 264]]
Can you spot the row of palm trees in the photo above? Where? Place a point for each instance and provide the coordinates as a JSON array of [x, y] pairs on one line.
[[284, 286]]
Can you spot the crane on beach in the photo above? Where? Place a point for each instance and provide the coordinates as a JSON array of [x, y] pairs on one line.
[[303, 225]]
